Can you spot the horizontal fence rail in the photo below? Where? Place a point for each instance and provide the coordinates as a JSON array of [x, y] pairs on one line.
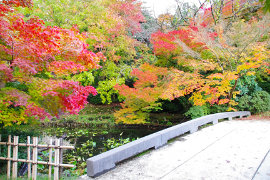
[[32, 156], [102, 163]]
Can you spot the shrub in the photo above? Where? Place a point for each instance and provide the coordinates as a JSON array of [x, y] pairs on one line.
[[94, 99], [218, 108], [265, 86], [247, 85], [258, 102], [17, 85], [197, 111], [244, 103], [107, 77]]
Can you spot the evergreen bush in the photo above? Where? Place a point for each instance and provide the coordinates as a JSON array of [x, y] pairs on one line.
[[197, 111], [258, 102]]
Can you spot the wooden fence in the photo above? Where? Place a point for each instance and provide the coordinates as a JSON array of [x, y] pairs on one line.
[[32, 156]]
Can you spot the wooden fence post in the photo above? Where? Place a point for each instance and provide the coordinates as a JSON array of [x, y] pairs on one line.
[[56, 159], [60, 158], [8, 156], [29, 156], [32, 162], [15, 157], [50, 159], [35, 156]]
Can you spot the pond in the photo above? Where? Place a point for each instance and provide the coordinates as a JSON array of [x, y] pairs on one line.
[[102, 139], [88, 141], [92, 132]]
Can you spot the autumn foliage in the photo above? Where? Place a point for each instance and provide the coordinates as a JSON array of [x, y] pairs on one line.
[[165, 43], [108, 23], [30, 50], [211, 54], [49, 67], [141, 98]]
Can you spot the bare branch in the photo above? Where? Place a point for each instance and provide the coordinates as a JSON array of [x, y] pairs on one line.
[[213, 14], [180, 11], [199, 8]]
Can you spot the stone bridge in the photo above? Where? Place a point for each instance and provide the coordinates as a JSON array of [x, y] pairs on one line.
[[235, 149]]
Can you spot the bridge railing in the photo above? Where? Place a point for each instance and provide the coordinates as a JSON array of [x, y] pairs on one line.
[[102, 163]]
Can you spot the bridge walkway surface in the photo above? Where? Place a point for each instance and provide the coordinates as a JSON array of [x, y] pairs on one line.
[[230, 150]]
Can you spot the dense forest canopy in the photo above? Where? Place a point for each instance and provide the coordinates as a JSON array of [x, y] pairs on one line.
[[56, 56]]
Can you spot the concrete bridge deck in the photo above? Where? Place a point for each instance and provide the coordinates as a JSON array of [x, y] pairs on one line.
[[230, 150]]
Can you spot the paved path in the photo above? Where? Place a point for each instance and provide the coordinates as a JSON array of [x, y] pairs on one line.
[[231, 150]]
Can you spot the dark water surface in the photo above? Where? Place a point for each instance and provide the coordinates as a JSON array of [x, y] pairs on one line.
[[88, 141]]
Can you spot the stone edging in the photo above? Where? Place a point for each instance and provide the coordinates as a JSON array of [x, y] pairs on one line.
[[102, 163]]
